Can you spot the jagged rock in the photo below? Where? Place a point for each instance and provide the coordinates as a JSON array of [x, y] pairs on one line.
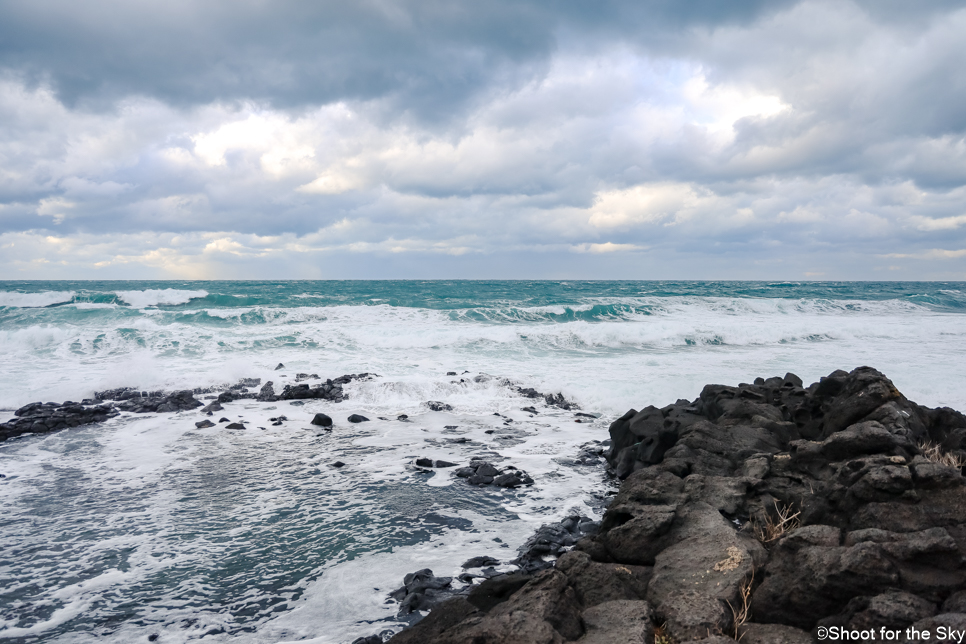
[[40, 418], [435, 405], [480, 472], [552, 400], [595, 582], [267, 392], [815, 506], [420, 590], [552, 540]]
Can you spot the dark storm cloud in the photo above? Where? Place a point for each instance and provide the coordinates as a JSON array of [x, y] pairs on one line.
[[432, 54]]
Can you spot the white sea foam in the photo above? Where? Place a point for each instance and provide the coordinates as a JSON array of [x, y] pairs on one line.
[[34, 300], [156, 297]]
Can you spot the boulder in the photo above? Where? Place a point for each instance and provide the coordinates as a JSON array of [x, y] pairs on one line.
[[322, 420]]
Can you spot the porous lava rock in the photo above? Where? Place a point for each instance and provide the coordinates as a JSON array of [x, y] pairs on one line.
[[763, 511]]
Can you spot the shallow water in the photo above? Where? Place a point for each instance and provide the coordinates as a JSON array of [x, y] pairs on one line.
[[145, 525]]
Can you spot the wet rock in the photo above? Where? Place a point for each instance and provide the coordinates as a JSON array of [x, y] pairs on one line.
[[338, 464], [322, 420], [428, 462], [549, 541], [279, 366], [234, 426], [267, 392], [357, 418], [479, 562], [552, 400], [204, 424], [212, 407], [421, 590], [435, 405], [224, 420], [39, 418], [480, 472]]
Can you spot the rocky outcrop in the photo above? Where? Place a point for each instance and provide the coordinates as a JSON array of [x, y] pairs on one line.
[[765, 511], [40, 418], [552, 400], [46, 417], [481, 472]]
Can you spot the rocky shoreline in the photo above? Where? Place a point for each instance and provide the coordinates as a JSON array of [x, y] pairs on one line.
[[767, 512], [45, 417]]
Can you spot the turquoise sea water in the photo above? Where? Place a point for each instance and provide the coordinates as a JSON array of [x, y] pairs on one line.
[[146, 526]]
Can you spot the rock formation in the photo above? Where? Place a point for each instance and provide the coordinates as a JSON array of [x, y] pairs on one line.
[[766, 511]]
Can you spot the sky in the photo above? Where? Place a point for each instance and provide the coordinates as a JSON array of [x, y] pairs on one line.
[[613, 139]]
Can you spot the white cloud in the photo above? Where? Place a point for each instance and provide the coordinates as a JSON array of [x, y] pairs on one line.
[[816, 128], [941, 223]]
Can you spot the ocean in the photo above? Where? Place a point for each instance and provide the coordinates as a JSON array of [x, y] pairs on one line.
[[145, 526]]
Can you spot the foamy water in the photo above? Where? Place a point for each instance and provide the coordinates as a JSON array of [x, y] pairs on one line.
[[146, 525]]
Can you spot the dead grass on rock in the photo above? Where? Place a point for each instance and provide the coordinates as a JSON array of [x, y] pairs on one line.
[[935, 453], [661, 636], [775, 526], [742, 610]]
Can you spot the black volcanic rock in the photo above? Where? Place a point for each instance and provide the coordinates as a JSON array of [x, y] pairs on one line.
[[480, 472], [818, 505], [322, 420], [40, 418]]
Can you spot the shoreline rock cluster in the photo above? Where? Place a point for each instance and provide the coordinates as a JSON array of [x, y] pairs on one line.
[[40, 418], [766, 512], [481, 472]]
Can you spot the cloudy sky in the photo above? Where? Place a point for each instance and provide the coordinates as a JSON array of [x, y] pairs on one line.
[[638, 139]]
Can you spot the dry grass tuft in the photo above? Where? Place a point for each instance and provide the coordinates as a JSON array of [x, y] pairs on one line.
[[935, 453], [661, 636], [743, 610], [775, 527]]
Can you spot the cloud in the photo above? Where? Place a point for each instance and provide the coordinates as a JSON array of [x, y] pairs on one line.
[[934, 253], [183, 139], [942, 223]]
